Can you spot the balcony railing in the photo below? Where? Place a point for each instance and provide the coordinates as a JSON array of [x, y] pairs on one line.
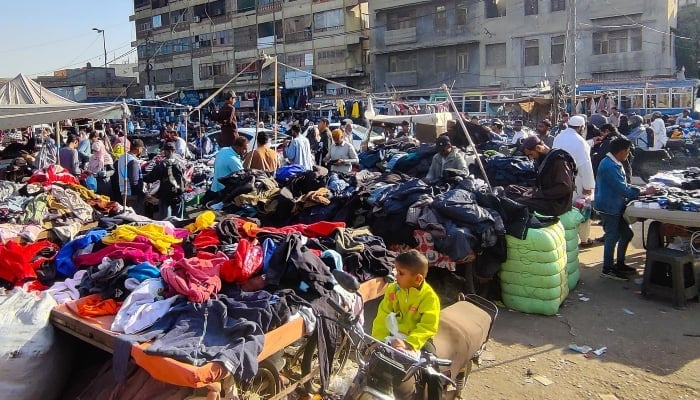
[[400, 36], [270, 8], [201, 52], [296, 37]]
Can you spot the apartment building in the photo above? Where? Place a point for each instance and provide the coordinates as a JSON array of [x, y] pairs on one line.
[[93, 83], [506, 44], [195, 46]]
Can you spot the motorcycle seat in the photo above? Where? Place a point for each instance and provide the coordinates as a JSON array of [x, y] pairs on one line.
[[465, 324]]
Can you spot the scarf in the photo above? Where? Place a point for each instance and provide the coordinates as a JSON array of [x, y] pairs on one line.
[[99, 158]]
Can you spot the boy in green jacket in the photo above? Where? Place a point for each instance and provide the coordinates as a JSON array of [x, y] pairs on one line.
[[415, 304]]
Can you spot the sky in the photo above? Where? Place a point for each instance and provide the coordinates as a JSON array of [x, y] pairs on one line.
[[41, 36]]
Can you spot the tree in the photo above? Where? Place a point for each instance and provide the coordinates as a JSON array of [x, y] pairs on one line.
[[688, 51]]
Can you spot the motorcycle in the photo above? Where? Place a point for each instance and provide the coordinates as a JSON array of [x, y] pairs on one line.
[[464, 329]]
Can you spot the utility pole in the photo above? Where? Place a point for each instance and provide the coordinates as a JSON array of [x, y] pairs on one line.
[[573, 58]]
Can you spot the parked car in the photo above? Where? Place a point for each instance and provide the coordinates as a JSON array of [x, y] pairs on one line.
[[359, 135]]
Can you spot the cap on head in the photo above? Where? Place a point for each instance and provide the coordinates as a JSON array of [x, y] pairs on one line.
[[656, 114], [497, 122], [577, 121], [337, 134], [443, 141], [531, 142]]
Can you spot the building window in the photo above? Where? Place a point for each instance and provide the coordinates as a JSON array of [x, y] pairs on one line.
[[401, 19], [158, 3], [295, 60], [143, 24], [494, 8], [440, 60], [495, 54], [245, 6], [617, 41], [329, 20], [246, 37], [402, 63], [210, 70], [178, 16], [440, 19], [297, 29], [140, 3], [251, 69], [331, 56], [558, 5], [531, 7], [462, 60], [532, 52], [461, 13], [557, 49]]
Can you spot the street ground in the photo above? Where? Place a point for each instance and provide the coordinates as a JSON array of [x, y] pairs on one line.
[[653, 349]]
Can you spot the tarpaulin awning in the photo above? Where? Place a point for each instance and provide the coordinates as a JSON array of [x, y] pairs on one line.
[[24, 102]]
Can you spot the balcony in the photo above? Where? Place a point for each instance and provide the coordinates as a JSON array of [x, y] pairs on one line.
[[297, 37], [201, 52], [400, 36], [162, 58], [270, 8], [181, 26], [389, 4], [221, 79], [402, 78]]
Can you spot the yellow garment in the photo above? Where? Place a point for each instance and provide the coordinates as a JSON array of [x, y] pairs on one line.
[[341, 108], [355, 110], [154, 233], [118, 150], [204, 220], [87, 194]]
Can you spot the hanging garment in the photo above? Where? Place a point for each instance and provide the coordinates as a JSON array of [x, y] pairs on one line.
[[355, 110], [341, 108]]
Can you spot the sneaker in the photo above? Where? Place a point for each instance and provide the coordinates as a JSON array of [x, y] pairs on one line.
[[613, 274], [625, 269]]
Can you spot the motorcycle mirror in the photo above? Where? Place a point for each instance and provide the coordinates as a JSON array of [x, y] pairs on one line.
[[346, 281]]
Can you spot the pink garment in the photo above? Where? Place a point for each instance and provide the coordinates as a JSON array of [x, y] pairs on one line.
[[193, 277], [99, 158], [135, 252], [216, 259]]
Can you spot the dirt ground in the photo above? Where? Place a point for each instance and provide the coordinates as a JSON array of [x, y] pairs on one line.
[[649, 353]]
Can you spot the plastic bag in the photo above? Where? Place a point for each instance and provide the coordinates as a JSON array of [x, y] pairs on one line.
[[91, 182]]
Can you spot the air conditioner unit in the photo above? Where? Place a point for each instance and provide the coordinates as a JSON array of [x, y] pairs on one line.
[[218, 12], [196, 18]]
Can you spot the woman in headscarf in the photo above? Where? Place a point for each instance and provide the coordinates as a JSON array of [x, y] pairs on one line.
[[101, 166]]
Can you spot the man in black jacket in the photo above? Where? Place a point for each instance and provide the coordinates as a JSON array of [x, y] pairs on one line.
[[170, 174], [600, 150], [556, 170]]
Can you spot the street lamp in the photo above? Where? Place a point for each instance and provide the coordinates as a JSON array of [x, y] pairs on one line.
[[104, 43]]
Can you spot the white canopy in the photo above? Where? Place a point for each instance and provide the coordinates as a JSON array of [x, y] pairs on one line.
[[24, 102]]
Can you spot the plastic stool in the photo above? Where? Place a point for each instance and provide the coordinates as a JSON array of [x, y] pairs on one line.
[[673, 272]]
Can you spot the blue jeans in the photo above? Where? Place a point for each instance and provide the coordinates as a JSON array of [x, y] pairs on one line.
[[166, 210], [617, 231]]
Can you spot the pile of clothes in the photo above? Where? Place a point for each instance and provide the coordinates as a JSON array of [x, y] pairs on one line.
[[221, 283], [50, 200]]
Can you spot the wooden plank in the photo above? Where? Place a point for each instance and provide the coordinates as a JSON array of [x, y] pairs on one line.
[[278, 339]]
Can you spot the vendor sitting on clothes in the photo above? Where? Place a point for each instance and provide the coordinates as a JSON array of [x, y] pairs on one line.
[[556, 171], [447, 157]]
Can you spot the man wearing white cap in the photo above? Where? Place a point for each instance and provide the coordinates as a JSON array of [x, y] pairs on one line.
[[572, 141], [659, 127]]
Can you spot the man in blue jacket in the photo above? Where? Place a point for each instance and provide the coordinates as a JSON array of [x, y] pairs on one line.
[[611, 196]]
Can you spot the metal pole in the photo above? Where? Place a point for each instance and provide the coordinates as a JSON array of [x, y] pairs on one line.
[[573, 54], [126, 160], [466, 133], [274, 118], [104, 46]]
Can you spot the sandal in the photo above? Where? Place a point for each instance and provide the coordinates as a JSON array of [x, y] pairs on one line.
[[587, 244]]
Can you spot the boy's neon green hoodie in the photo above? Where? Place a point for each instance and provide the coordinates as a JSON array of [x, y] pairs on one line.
[[417, 311]]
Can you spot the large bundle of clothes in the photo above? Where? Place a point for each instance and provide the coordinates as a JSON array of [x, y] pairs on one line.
[[220, 283]]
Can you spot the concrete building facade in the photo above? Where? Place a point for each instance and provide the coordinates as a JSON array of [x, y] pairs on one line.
[[196, 46], [506, 44], [93, 84]]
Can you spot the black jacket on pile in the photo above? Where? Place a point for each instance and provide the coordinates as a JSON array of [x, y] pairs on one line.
[[553, 194]]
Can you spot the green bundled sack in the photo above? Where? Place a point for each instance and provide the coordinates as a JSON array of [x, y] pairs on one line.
[[534, 278], [571, 220]]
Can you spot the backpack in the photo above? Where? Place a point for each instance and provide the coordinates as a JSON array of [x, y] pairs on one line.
[[173, 184]]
